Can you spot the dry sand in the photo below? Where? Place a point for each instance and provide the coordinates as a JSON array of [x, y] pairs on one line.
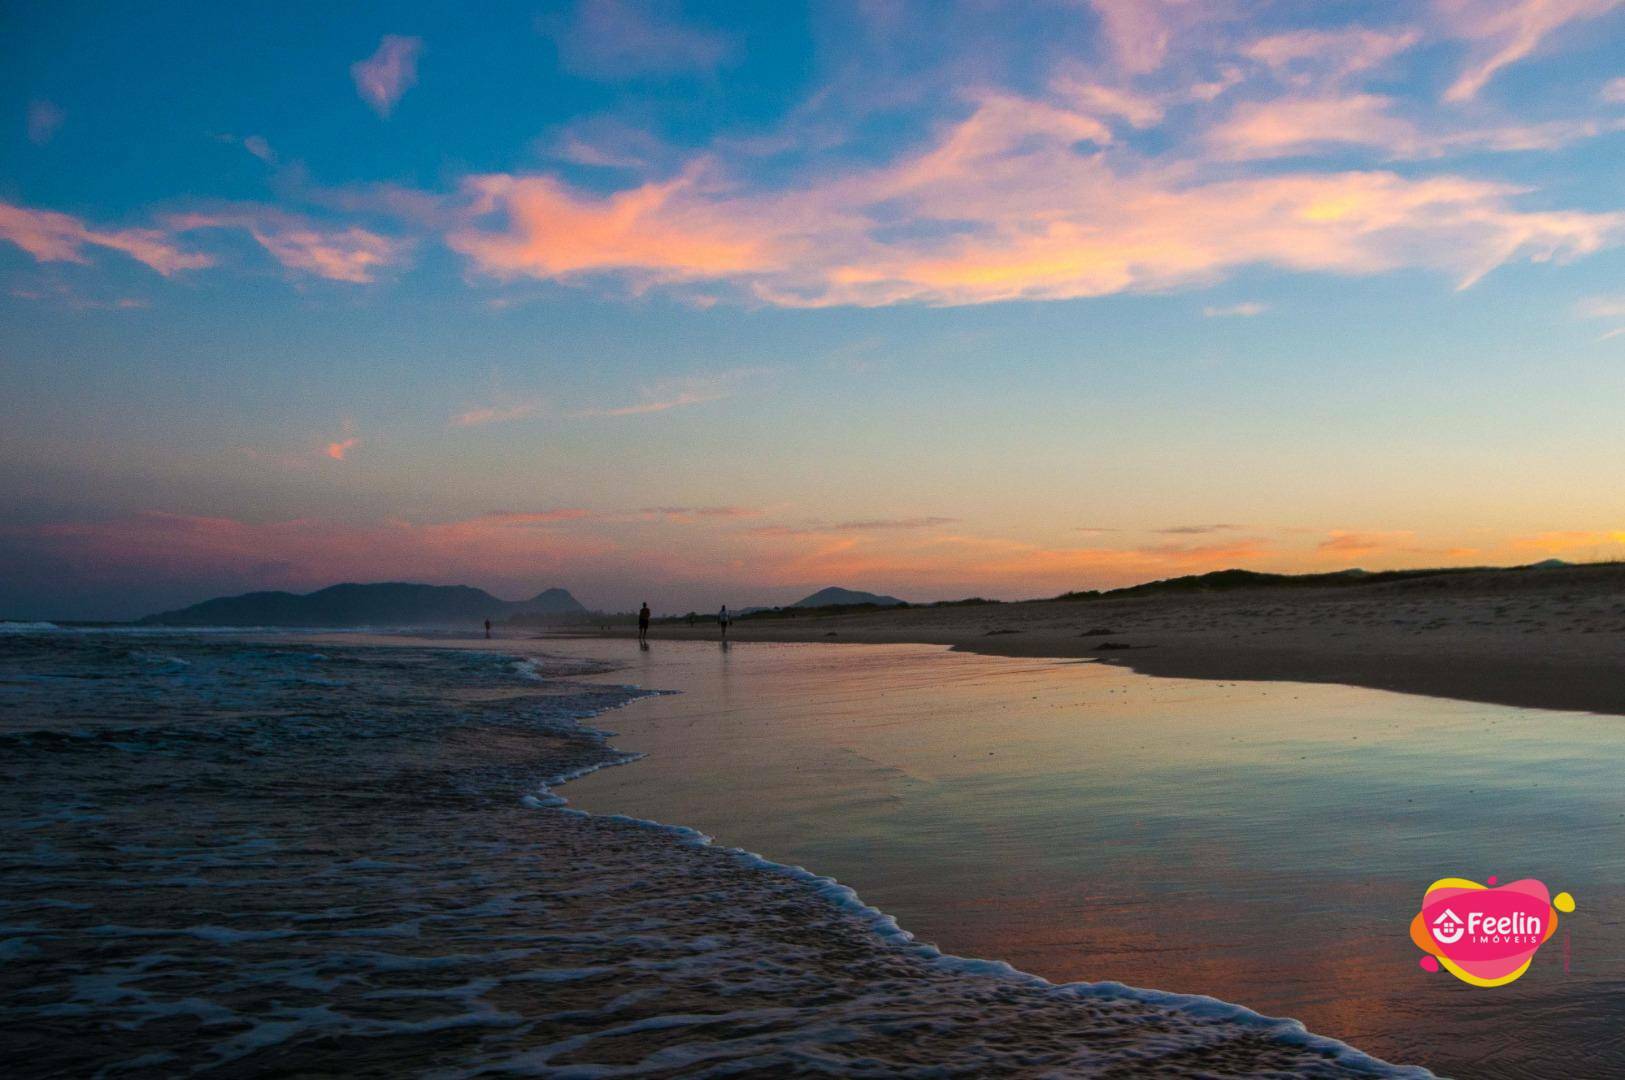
[[1549, 638]]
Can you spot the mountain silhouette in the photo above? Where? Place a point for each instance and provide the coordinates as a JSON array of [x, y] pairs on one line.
[[392, 603], [832, 596]]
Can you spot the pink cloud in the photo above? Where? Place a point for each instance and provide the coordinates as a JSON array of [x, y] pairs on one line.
[[1503, 32], [613, 39], [678, 393], [686, 514], [43, 120], [1033, 218], [1138, 34], [308, 553], [661, 231], [54, 237], [382, 78], [1301, 56], [338, 450], [495, 414], [1247, 309], [335, 252]]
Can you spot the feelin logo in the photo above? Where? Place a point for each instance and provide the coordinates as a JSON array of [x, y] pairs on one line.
[[1485, 935]]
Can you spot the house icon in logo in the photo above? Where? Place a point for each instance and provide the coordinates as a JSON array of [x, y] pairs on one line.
[[1448, 927]]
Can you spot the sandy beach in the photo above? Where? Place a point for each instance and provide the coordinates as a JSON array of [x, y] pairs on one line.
[[1549, 638]]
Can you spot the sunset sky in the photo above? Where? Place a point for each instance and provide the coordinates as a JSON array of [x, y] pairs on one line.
[[698, 303]]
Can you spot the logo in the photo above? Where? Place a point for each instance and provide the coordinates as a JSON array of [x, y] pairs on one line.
[[1448, 928], [1493, 939]]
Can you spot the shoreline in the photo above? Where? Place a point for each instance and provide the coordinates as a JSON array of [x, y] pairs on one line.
[[1549, 639], [1285, 1035]]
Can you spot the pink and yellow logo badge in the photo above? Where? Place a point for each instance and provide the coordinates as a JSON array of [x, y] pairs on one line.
[[1485, 935]]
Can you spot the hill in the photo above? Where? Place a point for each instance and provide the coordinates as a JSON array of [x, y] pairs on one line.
[[1219, 580], [832, 596], [391, 603]]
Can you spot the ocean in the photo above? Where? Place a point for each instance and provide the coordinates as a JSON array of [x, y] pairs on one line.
[[246, 854]]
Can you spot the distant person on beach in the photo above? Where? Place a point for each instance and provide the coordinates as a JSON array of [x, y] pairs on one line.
[[643, 622], [722, 621], [487, 629]]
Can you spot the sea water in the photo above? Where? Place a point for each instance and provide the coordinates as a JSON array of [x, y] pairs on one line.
[[251, 855]]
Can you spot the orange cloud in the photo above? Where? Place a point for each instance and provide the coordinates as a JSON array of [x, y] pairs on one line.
[[1569, 540], [337, 450], [382, 78], [664, 231], [54, 237]]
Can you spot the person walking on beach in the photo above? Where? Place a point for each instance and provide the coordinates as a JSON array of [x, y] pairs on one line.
[[722, 621], [487, 629], [643, 622]]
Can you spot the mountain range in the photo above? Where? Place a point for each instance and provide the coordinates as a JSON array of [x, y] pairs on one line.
[[392, 603]]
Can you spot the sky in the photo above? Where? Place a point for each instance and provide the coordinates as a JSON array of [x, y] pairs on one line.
[[698, 303]]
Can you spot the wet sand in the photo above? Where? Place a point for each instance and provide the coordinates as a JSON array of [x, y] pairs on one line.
[[1550, 638]]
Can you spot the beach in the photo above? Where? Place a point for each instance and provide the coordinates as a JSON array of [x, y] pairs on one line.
[[272, 853], [1260, 842], [1550, 638]]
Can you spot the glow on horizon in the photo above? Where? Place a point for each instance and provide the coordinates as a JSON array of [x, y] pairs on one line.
[[931, 300]]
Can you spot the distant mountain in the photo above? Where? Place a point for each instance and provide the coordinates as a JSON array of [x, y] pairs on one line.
[[1549, 564], [391, 603], [832, 596]]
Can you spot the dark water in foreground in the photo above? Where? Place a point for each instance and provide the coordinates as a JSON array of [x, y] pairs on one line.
[[243, 858]]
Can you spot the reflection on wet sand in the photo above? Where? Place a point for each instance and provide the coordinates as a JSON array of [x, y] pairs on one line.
[[1262, 843]]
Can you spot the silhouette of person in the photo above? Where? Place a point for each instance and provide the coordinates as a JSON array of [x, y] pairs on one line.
[[487, 629], [723, 620], [643, 622]]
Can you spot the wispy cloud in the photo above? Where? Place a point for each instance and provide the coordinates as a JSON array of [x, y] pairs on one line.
[[616, 39], [382, 78], [340, 449], [1504, 32], [1245, 310], [335, 252], [531, 518], [496, 414], [1602, 307], [863, 525], [54, 237], [44, 118], [1196, 530], [256, 145], [698, 513], [679, 393], [1613, 91], [1345, 542], [1037, 220]]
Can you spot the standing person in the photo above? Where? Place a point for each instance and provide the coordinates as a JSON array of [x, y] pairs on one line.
[[722, 621], [643, 622], [487, 629]]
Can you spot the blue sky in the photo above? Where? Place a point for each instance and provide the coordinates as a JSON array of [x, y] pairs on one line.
[[698, 302]]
